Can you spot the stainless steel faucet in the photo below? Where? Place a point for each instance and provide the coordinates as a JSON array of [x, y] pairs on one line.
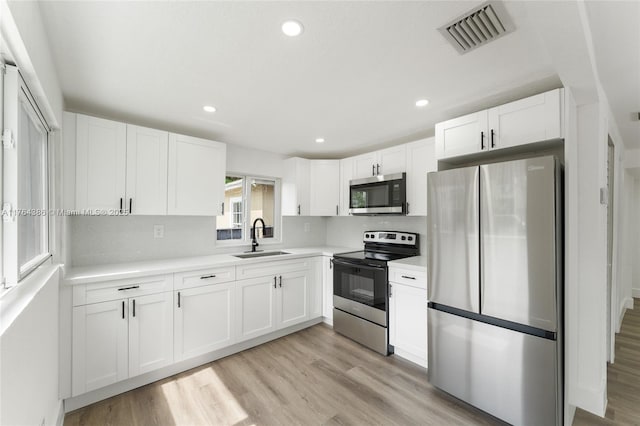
[[254, 241]]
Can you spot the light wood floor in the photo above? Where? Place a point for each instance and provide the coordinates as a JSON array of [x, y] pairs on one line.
[[623, 377], [311, 377]]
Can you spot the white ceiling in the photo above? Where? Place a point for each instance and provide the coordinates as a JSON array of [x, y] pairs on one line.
[[352, 77]]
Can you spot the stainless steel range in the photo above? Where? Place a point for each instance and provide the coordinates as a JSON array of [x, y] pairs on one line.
[[361, 287]]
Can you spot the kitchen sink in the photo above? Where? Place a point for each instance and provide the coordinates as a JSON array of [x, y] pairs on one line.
[[260, 254]]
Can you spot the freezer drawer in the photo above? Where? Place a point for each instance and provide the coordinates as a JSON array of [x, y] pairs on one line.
[[510, 375]]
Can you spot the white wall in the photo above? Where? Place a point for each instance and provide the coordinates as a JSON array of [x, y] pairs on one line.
[[635, 231], [347, 231], [29, 367], [98, 240], [29, 379]]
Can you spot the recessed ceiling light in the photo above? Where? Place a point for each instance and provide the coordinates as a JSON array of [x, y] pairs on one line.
[[209, 108], [292, 28], [422, 102], [320, 140]]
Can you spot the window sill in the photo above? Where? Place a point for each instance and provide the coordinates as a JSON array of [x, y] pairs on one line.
[[14, 300]]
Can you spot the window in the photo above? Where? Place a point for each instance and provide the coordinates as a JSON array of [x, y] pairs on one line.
[[246, 199], [25, 231]]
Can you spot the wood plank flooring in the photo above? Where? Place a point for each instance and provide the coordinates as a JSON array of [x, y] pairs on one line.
[[623, 377], [312, 377], [318, 377]]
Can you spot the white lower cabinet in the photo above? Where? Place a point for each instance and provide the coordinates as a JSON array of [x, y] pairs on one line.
[[203, 319], [118, 339], [408, 315], [266, 304]]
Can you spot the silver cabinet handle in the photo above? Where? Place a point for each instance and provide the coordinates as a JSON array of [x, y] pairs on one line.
[[207, 276], [408, 277]]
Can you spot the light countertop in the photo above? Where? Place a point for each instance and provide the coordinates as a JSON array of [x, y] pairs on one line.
[[114, 271], [416, 263]]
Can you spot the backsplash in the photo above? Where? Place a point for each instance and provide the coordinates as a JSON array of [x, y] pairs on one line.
[[107, 239], [347, 231]]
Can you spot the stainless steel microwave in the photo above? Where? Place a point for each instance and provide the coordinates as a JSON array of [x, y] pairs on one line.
[[386, 194]]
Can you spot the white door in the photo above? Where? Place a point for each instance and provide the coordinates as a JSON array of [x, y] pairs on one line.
[[293, 306], [324, 187], [327, 288], [533, 119], [100, 345], [196, 176], [462, 135], [408, 322], [421, 159], [364, 165], [203, 319], [101, 149], [392, 160], [150, 332], [147, 151], [256, 306], [346, 174]]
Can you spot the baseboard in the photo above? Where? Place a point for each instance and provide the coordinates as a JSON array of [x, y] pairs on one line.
[[88, 398], [422, 362], [328, 321], [635, 292]]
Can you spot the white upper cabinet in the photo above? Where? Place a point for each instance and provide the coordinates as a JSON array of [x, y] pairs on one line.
[[131, 169], [364, 165], [295, 187], [533, 119], [461, 136], [146, 189], [324, 187], [421, 159], [383, 162], [101, 153], [529, 120], [346, 174], [196, 176]]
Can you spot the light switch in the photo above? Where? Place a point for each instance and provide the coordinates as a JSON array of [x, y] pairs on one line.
[[158, 231]]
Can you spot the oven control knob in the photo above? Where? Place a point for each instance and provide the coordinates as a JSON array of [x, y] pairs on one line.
[[366, 235], [403, 238], [410, 238]]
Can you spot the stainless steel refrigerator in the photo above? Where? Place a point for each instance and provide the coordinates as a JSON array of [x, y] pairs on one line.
[[495, 288]]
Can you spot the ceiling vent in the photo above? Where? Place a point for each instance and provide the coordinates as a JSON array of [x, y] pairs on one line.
[[478, 27]]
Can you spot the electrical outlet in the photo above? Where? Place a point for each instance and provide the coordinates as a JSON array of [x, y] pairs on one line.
[[307, 227], [158, 231]]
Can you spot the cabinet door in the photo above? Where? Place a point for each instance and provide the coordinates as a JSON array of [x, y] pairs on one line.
[[327, 288], [100, 345], [392, 160], [462, 135], [150, 332], [364, 165], [196, 176], [346, 174], [146, 170], [408, 322], [101, 149], [256, 306], [293, 306], [533, 119], [203, 320], [324, 187], [295, 187], [421, 159]]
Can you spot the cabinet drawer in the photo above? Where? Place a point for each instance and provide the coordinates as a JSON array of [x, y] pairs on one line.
[[410, 277], [202, 277], [263, 269], [121, 289]]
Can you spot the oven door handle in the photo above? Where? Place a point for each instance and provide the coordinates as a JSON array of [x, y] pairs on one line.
[[340, 262]]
